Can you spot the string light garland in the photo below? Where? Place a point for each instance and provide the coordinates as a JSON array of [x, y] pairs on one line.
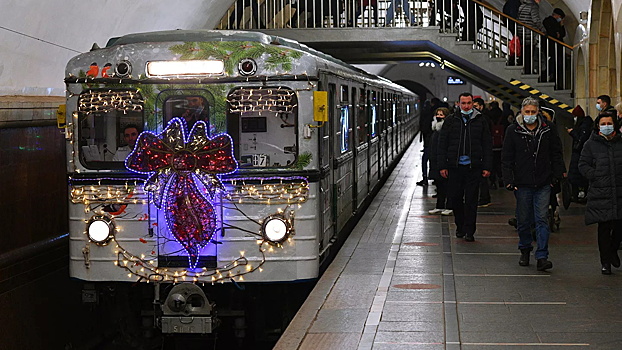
[[261, 100], [288, 190], [110, 100]]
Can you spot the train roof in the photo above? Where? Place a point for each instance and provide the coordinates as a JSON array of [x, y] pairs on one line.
[[236, 35]]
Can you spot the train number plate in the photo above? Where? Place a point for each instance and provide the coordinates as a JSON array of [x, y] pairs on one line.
[[260, 160]]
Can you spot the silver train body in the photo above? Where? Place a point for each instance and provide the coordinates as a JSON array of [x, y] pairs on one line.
[[255, 152]]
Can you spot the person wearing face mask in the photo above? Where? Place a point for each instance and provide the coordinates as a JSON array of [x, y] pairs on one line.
[[442, 203], [554, 26], [580, 133], [601, 164], [464, 156], [532, 161], [603, 104]]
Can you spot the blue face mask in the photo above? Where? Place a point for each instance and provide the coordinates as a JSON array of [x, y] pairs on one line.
[[466, 112], [530, 119], [559, 19], [606, 129], [599, 107]]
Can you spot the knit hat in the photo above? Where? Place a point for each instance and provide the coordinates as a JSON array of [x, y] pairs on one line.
[[560, 12], [578, 111]]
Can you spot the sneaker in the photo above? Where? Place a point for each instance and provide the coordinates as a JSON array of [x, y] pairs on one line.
[[544, 265], [435, 211], [447, 212], [484, 205], [606, 269], [423, 182]]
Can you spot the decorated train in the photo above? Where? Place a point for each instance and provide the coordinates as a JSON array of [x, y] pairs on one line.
[[197, 158]]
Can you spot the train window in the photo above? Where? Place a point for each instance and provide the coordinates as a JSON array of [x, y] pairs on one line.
[[344, 93], [191, 108], [262, 122], [109, 124], [344, 131], [394, 113]]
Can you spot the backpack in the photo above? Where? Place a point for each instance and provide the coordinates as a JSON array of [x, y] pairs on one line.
[[498, 132], [515, 47]]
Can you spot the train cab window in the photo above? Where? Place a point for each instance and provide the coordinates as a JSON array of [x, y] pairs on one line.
[[189, 107], [109, 123], [262, 122]]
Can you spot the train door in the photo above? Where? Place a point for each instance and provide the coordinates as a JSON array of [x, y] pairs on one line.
[[374, 139], [354, 112], [342, 164], [327, 205]]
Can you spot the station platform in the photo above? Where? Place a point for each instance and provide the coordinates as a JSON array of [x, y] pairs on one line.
[[402, 280]]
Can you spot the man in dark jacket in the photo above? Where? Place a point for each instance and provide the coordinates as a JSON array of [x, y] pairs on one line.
[[580, 133], [554, 25], [532, 161], [464, 156], [425, 125]]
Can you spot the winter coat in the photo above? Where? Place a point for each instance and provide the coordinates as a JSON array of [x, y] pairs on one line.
[[580, 133], [434, 172], [532, 159], [473, 138], [511, 8], [601, 164], [529, 13]]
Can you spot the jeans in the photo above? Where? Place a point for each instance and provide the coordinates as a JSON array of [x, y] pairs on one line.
[[462, 193], [425, 158], [532, 205]]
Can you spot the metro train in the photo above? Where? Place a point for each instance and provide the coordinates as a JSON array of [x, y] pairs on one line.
[[200, 158]]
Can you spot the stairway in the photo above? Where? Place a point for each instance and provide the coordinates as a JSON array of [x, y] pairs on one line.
[[485, 67]]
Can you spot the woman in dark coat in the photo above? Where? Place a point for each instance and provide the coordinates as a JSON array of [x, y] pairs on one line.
[[442, 205], [601, 164], [580, 133]]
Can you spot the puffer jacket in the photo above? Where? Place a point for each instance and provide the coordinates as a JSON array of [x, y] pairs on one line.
[[580, 133], [601, 164], [532, 159], [472, 138]]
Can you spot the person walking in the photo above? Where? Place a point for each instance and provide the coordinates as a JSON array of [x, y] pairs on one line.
[[529, 14], [425, 126], [484, 187], [554, 26], [464, 156], [442, 203], [580, 133], [601, 164], [532, 161]]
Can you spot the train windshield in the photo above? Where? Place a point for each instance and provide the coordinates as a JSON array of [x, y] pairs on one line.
[[109, 124], [262, 122]]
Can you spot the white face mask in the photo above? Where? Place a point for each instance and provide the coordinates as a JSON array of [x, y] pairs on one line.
[[530, 119]]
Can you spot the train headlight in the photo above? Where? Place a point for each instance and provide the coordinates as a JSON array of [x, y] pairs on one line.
[[185, 68], [123, 69], [276, 228], [100, 229], [247, 66]]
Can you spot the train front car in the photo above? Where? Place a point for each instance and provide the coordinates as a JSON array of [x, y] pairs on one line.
[[191, 163]]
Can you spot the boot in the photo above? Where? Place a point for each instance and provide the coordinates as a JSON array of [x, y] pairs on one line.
[[524, 257], [544, 264]]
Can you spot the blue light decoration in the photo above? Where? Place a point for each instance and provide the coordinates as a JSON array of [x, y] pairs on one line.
[[185, 179]]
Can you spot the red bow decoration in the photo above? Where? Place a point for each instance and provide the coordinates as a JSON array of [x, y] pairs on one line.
[[185, 178]]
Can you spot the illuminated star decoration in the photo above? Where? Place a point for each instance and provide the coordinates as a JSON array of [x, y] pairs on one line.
[[185, 179]]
